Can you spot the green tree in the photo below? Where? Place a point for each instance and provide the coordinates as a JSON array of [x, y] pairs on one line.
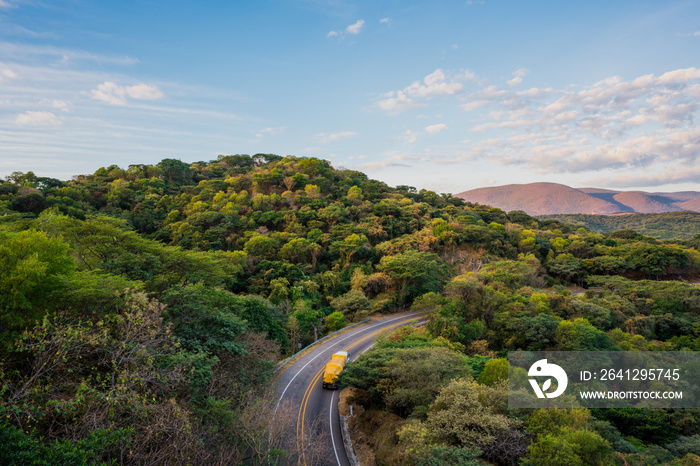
[[554, 421], [335, 321], [213, 320], [580, 335], [261, 247], [352, 302], [654, 259], [572, 447], [354, 195], [512, 274], [414, 273], [439, 455], [495, 371], [175, 171], [350, 246], [308, 318], [297, 251], [565, 266], [470, 415], [31, 269], [405, 380]]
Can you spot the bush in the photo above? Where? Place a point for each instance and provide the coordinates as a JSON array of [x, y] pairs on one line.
[[404, 379], [495, 370], [351, 303], [19, 449], [335, 321], [571, 448], [438, 455], [684, 445], [468, 414], [84, 382]]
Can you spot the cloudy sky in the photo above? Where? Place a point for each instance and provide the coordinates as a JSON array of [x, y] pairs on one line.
[[444, 95]]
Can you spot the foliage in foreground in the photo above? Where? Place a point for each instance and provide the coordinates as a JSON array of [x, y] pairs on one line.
[[142, 310]]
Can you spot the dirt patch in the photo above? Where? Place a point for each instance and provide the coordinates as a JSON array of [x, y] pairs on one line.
[[382, 427], [343, 403], [373, 433], [362, 442]]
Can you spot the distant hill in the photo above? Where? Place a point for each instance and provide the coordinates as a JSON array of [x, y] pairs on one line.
[[554, 198], [670, 225]]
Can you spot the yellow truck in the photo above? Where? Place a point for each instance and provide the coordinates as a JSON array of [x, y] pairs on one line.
[[334, 368]]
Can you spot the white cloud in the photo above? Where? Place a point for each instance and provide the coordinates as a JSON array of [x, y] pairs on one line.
[[672, 176], [376, 166], [355, 27], [410, 136], [110, 93], [515, 81], [271, 131], [384, 20], [566, 116], [351, 29], [117, 95], [473, 105], [638, 120], [5, 4], [314, 150], [535, 92], [434, 129], [326, 138], [7, 75], [56, 103], [398, 102], [615, 124], [144, 92], [433, 85], [517, 77], [679, 76], [41, 53], [509, 124], [59, 104], [32, 118]]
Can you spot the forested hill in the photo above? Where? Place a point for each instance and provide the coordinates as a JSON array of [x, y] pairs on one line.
[[666, 226], [142, 310]]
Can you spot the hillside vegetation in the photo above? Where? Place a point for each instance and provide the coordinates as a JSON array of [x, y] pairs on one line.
[[142, 311], [667, 226]]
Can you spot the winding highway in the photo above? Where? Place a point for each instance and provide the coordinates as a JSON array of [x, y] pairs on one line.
[[300, 384]]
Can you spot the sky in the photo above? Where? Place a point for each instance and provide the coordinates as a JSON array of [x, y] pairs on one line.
[[442, 95]]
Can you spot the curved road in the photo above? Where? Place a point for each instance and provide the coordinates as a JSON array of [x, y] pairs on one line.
[[300, 383]]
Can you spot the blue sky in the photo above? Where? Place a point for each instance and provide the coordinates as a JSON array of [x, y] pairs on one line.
[[443, 95]]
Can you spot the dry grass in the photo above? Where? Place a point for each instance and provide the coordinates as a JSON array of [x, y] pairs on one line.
[[361, 440]]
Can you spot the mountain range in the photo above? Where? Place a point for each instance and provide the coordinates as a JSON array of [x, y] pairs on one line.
[[554, 198]]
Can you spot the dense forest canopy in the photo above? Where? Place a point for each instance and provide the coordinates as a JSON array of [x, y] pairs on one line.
[[142, 310]]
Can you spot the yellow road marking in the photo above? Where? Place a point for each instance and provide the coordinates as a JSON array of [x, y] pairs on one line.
[[307, 394], [302, 413]]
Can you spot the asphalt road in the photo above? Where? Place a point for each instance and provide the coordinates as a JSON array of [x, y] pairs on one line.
[[301, 383]]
